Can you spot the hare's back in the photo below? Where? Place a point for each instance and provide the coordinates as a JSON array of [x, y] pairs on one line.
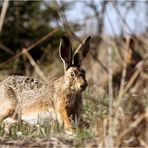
[[21, 83]]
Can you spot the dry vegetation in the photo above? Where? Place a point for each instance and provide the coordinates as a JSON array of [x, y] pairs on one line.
[[111, 117], [115, 111]]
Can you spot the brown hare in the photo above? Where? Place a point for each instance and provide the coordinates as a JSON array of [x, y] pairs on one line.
[[25, 97]]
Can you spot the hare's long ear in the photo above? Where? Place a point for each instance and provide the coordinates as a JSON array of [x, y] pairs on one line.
[[65, 52], [81, 52]]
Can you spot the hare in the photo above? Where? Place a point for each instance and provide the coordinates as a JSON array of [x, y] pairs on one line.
[[25, 97]]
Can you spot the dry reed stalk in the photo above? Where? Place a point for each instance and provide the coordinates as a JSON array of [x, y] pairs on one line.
[[124, 21], [139, 67], [30, 47], [34, 64], [143, 143], [131, 127], [3, 13], [70, 32], [109, 139], [110, 86], [6, 49], [123, 76]]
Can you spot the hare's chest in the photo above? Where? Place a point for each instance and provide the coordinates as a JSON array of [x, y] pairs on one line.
[[70, 101]]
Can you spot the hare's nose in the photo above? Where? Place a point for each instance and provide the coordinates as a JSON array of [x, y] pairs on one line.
[[83, 86]]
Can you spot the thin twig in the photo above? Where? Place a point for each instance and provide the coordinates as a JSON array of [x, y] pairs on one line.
[[119, 13], [123, 76], [6, 49], [131, 127], [71, 33], [135, 75], [125, 22], [30, 47], [34, 64], [100, 63], [110, 143], [110, 75], [3, 13], [142, 142]]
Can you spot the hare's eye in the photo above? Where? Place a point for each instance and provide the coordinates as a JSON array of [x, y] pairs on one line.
[[72, 74]]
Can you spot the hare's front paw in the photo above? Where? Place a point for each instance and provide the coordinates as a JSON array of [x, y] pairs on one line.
[[70, 131]]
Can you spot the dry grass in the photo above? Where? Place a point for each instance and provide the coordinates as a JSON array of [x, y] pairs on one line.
[[128, 127], [110, 119]]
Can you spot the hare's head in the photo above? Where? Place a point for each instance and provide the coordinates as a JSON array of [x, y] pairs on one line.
[[74, 77]]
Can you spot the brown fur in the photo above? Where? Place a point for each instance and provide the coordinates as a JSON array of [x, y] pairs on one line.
[[25, 96]]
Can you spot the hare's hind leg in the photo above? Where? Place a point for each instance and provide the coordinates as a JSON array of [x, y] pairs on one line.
[[8, 102]]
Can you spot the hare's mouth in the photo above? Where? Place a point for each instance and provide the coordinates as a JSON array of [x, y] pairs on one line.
[[82, 88]]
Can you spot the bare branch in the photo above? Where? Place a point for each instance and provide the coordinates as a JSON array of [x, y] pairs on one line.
[[3, 13]]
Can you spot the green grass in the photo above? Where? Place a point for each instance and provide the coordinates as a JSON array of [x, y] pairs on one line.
[[95, 109]]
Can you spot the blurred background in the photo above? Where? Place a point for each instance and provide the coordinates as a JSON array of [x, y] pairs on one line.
[[30, 33], [39, 25]]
